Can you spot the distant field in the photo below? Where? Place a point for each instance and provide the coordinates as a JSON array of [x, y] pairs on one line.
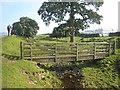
[[3, 34]]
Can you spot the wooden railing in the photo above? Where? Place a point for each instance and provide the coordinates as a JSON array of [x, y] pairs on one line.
[[58, 52]]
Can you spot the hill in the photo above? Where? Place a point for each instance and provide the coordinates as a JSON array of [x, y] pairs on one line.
[[17, 73]]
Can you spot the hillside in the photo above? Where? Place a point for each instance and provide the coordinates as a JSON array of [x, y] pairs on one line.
[[17, 73]]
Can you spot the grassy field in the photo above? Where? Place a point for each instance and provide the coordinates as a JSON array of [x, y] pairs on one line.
[[17, 73]]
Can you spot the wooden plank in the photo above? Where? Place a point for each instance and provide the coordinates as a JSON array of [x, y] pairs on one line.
[[84, 55], [87, 50], [101, 47], [46, 57], [100, 53], [65, 56], [85, 43], [66, 52]]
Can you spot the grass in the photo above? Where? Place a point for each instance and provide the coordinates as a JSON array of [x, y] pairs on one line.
[[23, 73], [46, 38], [17, 73], [102, 74], [11, 45]]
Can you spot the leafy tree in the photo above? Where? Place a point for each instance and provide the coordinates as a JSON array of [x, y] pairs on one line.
[[60, 31], [25, 27], [56, 11], [63, 31]]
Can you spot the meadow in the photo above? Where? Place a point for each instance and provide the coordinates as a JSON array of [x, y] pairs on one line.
[[17, 73]]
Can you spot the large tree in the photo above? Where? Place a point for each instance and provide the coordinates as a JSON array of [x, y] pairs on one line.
[[26, 27], [86, 14], [63, 31]]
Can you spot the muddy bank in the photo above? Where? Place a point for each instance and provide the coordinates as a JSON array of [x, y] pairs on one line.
[[69, 74]]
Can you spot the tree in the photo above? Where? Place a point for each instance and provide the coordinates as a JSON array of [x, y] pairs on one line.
[[25, 27], [60, 31], [63, 31], [56, 11]]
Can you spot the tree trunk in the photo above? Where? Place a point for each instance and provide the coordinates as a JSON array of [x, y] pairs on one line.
[[72, 34], [72, 23]]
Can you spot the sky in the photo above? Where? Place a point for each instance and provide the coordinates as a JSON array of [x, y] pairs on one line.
[[12, 10]]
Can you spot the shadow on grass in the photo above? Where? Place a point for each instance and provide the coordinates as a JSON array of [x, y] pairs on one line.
[[11, 57], [62, 67]]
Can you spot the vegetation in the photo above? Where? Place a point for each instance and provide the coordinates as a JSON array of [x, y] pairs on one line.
[[58, 32], [102, 74], [17, 73], [56, 11], [25, 27]]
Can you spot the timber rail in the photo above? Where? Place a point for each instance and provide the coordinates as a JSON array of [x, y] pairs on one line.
[[59, 52]]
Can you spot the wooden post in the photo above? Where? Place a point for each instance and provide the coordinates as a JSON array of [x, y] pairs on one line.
[[21, 49], [114, 47], [31, 51], [55, 53], [76, 51], [94, 51], [109, 48], [108, 45]]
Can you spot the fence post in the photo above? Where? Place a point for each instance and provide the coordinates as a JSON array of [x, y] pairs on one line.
[[76, 51], [31, 50], [109, 48], [94, 51], [114, 47], [55, 53], [21, 49]]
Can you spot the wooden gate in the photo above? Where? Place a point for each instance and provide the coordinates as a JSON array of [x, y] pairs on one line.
[[58, 52]]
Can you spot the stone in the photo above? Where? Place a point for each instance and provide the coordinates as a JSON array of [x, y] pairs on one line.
[[78, 80], [70, 76], [43, 78]]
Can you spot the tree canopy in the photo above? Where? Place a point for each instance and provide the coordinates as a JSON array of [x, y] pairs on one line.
[[26, 27], [81, 14], [63, 31]]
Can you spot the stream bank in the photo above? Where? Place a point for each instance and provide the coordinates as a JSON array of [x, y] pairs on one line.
[[68, 73]]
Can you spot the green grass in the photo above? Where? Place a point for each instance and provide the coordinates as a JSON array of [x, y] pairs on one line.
[[46, 38], [18, 73], [24, 73], [11, 45], [102, 74]]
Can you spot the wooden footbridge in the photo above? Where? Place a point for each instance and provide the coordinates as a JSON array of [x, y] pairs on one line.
[[59, 52]]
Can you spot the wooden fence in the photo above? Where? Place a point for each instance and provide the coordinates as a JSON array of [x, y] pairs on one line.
[[58, 52]]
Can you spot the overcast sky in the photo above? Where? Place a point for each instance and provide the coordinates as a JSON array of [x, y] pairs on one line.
[[12, 10]]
